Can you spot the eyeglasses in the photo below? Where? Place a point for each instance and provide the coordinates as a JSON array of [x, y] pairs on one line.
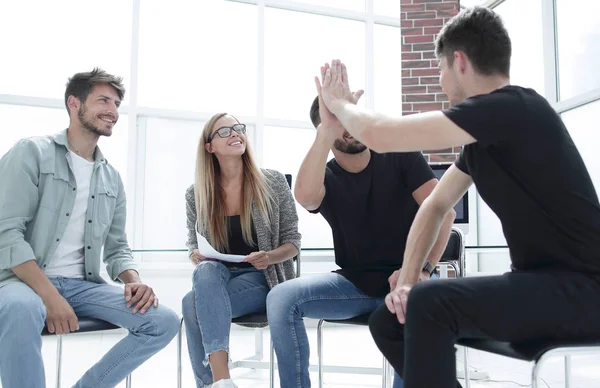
[[226, 131]]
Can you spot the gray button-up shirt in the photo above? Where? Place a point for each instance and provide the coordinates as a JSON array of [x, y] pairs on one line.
[[37, 195]]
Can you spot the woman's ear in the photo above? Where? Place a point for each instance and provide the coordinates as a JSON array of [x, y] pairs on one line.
[[208, 147]]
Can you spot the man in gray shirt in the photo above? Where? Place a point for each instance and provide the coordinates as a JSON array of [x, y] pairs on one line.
[[60, 204]]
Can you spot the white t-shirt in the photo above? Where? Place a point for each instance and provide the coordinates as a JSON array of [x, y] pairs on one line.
[[69, 259]]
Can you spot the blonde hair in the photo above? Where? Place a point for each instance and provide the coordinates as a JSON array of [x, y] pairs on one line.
[[210, 197]]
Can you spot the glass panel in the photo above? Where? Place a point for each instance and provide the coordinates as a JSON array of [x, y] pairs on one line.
[[470, 3], [26, 121], [388, 77], [352, 5], [578, 46], [292, 63], [582, 125], [387, 8], [280, 156], [523, 20], [171, 147], [199, 56], [42, 52]]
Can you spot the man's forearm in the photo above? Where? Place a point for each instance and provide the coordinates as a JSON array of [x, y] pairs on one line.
[[421, 239], [311, 174], [354, 118], [130, 276], [442, 240], [31, 274]]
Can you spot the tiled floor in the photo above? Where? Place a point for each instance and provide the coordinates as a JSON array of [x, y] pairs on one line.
[[343, 345]]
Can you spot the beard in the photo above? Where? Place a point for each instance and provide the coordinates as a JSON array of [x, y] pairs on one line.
[[351, 148], [87, 121]]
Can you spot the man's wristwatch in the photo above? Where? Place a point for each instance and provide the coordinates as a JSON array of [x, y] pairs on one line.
[[429, 268]]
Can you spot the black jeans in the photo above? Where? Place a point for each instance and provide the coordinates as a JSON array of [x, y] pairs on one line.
[[513, 307]]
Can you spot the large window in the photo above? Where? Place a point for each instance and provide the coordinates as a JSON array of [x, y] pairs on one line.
[[40, 52], [578, 46], [292, 63], [198, 56], [387, 63], [523, 20]]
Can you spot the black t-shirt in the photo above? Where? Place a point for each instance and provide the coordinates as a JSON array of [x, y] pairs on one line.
[[237, 245], [528, 170], [370, 214]]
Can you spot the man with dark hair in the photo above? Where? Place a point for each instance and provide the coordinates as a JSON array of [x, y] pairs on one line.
[[61, 204], [550, 216], [369, 200]]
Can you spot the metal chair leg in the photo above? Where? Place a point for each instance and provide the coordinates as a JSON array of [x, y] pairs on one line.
[[567, 371], [466, 367], [320, 351], [128, 381], [535, 375], [179, 345], [59, 339], [272, 366]]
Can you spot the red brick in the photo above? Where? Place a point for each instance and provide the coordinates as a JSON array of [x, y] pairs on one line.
[[414, 89], [458, 149], [441, 97], [411, 56], [420, 15], [415, 64], [413, 7], [447, 158], [446, 105], [418, 39], [407, 107], [407, 48], [410, 81], [428, 22], [402, 15], [445, 14], [429, 80], [419, 97], [434, 89], [406, 23], [444, 151], [412, 31], [429, 55], [421, 1], [427, 106], [435, 64], [442, 6], [424, 72], [406, 73], [423, 47], [405, 1], [431, 30]]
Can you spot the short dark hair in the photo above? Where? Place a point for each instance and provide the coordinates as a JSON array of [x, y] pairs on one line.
[[314, 112], [81, 84], [481, 35]]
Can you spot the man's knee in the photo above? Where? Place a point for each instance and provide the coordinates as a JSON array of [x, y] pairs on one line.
[[281, 299], [25, 312], [166, 323], [382, 323], [426, 298]]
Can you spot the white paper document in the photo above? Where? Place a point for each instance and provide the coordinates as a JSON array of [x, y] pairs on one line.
[[209, 252]]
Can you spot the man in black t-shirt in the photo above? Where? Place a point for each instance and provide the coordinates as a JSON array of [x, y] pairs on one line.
[[526, 167], [370, 201]]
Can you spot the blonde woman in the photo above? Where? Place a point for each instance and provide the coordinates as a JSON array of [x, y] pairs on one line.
[[240, 209]]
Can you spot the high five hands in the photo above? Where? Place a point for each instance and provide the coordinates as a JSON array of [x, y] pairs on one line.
[[334, 89]]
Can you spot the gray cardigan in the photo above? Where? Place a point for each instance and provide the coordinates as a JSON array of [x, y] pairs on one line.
[[283, 228]]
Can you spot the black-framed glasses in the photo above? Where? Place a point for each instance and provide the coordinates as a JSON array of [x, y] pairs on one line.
[[226, 131]]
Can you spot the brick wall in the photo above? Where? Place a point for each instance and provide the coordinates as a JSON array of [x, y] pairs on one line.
[[420, 21]]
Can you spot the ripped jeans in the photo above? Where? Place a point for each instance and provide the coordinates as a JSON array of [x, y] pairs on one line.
[[218, 295]]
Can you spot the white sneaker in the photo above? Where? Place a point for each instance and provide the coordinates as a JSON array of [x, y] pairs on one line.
[[224, 383]]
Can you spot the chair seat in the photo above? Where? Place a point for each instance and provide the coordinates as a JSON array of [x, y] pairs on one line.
[[361, 320], [527, 351], [88, 325], [254, 318]]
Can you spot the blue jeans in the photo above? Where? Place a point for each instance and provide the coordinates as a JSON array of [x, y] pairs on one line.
[[218, 295], [323, 296], [23, 316]]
